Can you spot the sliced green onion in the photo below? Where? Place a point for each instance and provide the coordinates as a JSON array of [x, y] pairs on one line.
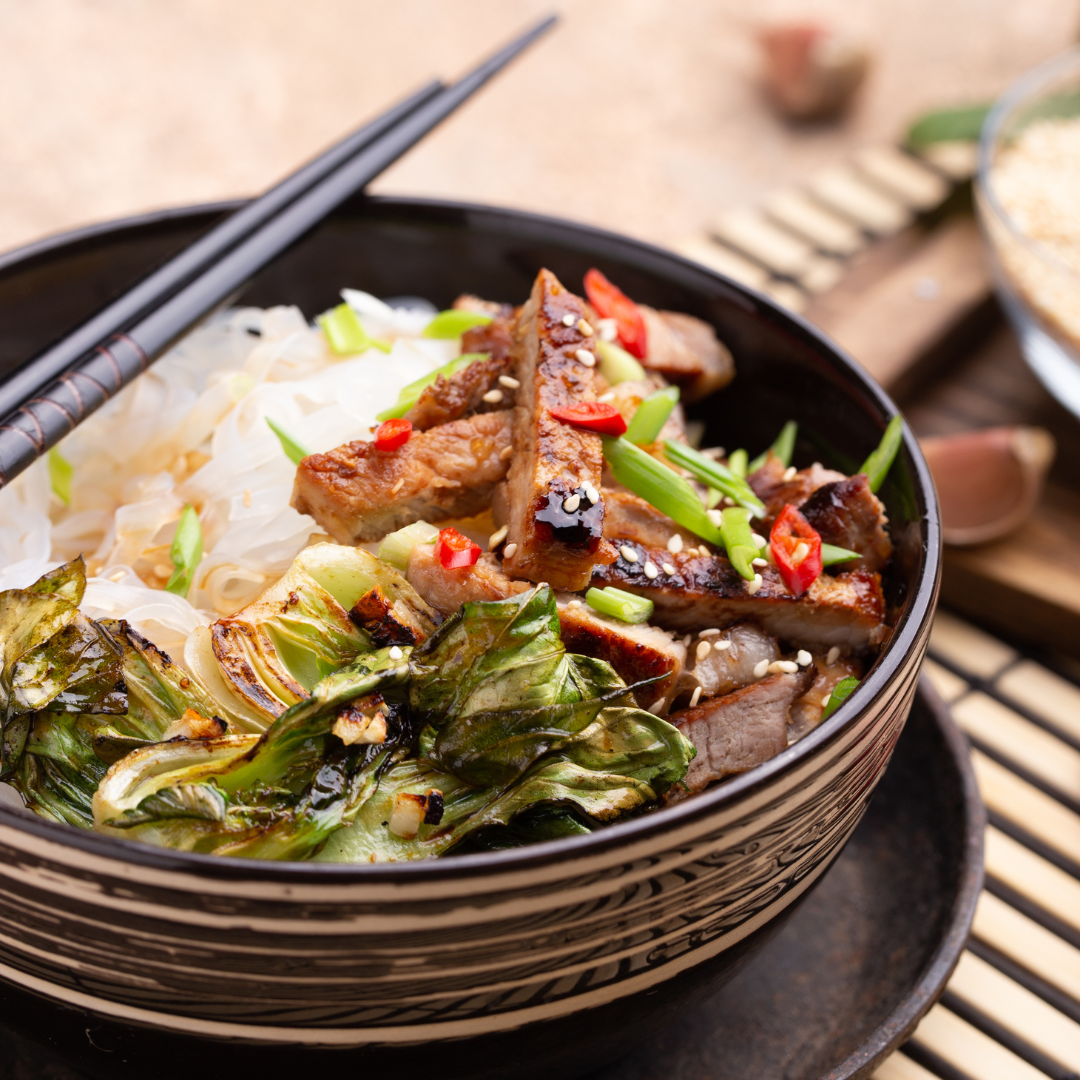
[[346, 334], [186, 552], [737, 462], [60, 473], [948, 125], [410, 394], [831, 555], [712, 499], [652, 415], [617, 365], [714, 474], [738, 539], [877, 465], [452, 324], [396, 547], [659, 486], [783, 447], [840, 693], [619, 604], [294, 451]]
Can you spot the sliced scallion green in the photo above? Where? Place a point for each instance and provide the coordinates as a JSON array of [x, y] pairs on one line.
[[831, 555], [346, 334], [60, 473], [877, 465], [659, 486], [714, 474], [783, 447], [737, 462], [186, 552], [294, 451], [713, 498], [617, 365], [396, 547], [651, 416], [452, 324], [738, 540], [621, 605], [840, 693], [411, 394]]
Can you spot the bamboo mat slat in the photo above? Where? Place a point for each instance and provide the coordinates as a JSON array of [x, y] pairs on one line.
[[1011, 1010]]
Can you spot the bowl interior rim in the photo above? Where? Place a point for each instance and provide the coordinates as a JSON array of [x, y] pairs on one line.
[[918, 607]]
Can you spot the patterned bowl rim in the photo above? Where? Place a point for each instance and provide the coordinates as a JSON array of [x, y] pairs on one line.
[[905, 638]]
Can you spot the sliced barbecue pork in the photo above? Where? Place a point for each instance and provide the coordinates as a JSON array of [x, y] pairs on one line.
[[742, 729], [629, 517], [847, 513], [555, 465], [448, 399], [729, 661], [686, 352], [806, 711], [446, 590], [777, 486], [358, 493], [705, 591]]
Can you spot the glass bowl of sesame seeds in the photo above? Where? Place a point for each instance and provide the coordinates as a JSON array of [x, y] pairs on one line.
[[1028, 180]]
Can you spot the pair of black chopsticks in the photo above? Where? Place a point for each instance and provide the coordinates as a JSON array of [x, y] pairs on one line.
[[45, 398]]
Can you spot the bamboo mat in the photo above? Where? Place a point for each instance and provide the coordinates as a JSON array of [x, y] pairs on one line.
[[1012, 1008]]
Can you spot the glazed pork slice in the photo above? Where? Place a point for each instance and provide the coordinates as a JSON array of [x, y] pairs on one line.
[[729, 661], [776, 485], [555, 529], [636, 652], [686, 351], [357, 493], [446, 590], [705, 591], [847, 513], [806, 711], [448, 399], [629, 517], [742, 729]]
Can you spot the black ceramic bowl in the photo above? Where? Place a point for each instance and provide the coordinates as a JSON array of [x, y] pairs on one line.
[[537, 962]]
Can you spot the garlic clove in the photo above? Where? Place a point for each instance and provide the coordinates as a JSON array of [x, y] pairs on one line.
[[988, 481]]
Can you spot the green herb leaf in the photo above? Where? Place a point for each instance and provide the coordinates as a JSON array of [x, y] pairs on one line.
[[840, 693], [715, 475], [783, 447], [831, 555], [651, 416], [410, 394], [294, 451], [346, 334], [620, 605], [659, 486], [962, 124], [877, 465], [60, 473], [617, 365], [452, 324], [186, 552]]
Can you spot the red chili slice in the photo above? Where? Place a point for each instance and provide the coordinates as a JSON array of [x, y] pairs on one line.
[[799, 569], [392, 434], [455, 550], [593, 416], [611, 302]]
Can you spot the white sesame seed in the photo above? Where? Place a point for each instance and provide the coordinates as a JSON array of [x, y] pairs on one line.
[[569, 320], [398, 486], [760, 668], [609, 329], [833, 655], [708, 633], [628, 553], [803, 658], [753, 586], [668, 568], [584, 327], [247, 496], [592, 494], [703, 649], [571, 503], [715, 517], [759, 562], [789, 473], [728, 501], [657, 705], [788, 667], [650, 570], [509, 382], [574, 603], [118, 575], [497, 537], [506, 453], [586, 357], [802, 549], [493, 397], [674, 544], [395, 653], [759, 541], [605, 399], [686, 641], [774, 668], [722, 644], [695, 697], [509, 550]]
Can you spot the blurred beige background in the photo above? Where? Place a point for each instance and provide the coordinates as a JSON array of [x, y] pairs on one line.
[[641, 115]]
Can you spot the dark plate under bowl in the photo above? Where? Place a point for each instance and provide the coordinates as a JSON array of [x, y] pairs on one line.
[[553, 956]]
